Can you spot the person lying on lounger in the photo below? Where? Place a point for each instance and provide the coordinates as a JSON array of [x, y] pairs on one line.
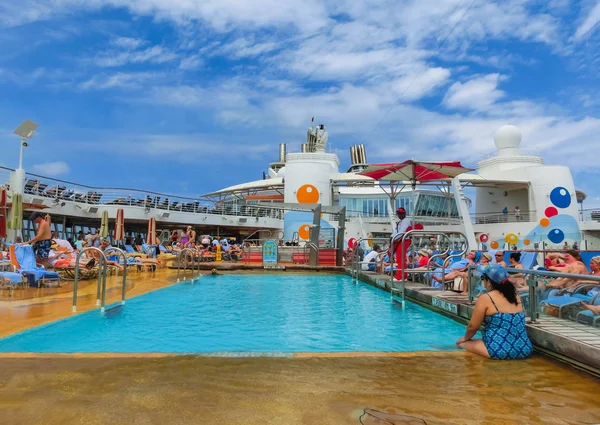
[[455, 270], [574, 265]]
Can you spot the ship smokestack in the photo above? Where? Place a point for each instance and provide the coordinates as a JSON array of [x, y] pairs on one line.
[[363, 156], [282, 152], [304, 147], [352, 155], [358, 158]]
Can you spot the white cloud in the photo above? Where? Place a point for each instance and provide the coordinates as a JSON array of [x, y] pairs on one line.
[[128, 43], [191, 63], [589, 23], [124, 80], [154, 54], [52, 168], [246, 47], [479, 93], [414, 86], [220, 14]]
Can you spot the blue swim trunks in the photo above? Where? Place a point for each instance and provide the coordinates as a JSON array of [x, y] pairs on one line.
[[41, 249]]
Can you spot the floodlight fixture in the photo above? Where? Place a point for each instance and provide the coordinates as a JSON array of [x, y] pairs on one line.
[[25, 132], [26, 129]]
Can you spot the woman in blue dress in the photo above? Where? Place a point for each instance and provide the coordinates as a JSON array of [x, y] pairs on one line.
[[501, 313]]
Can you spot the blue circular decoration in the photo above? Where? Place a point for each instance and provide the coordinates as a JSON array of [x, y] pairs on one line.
[[556, 236], [560, 197]]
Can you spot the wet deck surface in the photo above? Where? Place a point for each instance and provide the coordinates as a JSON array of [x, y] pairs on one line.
[[32, 307], [456, 388]]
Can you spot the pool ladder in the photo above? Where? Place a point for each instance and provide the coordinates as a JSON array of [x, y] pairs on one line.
[[181, 254], [102, 272]]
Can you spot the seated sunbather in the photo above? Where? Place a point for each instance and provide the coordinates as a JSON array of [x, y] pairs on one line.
[[484, 263], [455, 270], [59, 258], [513, 277], [574, 265], [105, 244], [595, 268], [499, 258]]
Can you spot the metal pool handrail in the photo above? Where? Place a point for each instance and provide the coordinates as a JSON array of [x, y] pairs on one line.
[[355, 266], [446, 234], [102, 267], [186, 261], [121, 253]]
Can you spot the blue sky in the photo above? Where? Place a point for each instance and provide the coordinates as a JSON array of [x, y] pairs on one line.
[[189, 96]]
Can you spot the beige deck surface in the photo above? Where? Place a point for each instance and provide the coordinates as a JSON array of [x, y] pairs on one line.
[[453, 389]]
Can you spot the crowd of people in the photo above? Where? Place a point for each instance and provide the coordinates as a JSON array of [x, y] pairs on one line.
[[54, 252]]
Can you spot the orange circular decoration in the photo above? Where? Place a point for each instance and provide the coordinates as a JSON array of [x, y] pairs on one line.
[[544, 222], [511, 238], [307, 194], [526, 241], [493, 244], [304, 231]]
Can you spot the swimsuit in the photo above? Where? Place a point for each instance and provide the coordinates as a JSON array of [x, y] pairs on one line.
[[505, 337], [42, 248]]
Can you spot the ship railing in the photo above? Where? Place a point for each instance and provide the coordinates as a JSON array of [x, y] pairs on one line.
[[61, 191], [538, 298], [499, 218]]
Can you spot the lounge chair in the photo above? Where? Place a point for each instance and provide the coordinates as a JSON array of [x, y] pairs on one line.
[[587, 317], [568, 298], [22, 259], [29, 185], [12, 280]]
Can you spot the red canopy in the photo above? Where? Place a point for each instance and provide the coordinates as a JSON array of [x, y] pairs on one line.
[[415, 171]]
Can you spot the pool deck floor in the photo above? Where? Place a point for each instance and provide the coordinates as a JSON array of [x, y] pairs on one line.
[[453, 388], [273, 388]]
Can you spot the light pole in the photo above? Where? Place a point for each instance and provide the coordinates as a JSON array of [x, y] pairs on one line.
[[25, 132]]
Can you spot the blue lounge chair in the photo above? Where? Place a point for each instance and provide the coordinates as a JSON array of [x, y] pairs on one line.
[[587, 317], [26, 266], [569, 299]]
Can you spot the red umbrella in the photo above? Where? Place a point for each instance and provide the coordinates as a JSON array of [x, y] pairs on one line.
[[151, 238], [415, 171], [3, 213], [412, 171]]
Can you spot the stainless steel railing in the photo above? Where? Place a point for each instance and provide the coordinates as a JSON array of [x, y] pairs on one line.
[[102, 268], [533, 287], [192, 255], [122, 254]]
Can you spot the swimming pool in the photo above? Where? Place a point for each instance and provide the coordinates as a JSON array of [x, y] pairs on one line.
[[249, 313]]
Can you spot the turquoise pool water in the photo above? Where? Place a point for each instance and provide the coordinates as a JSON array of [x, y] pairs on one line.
[[249, 313]]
